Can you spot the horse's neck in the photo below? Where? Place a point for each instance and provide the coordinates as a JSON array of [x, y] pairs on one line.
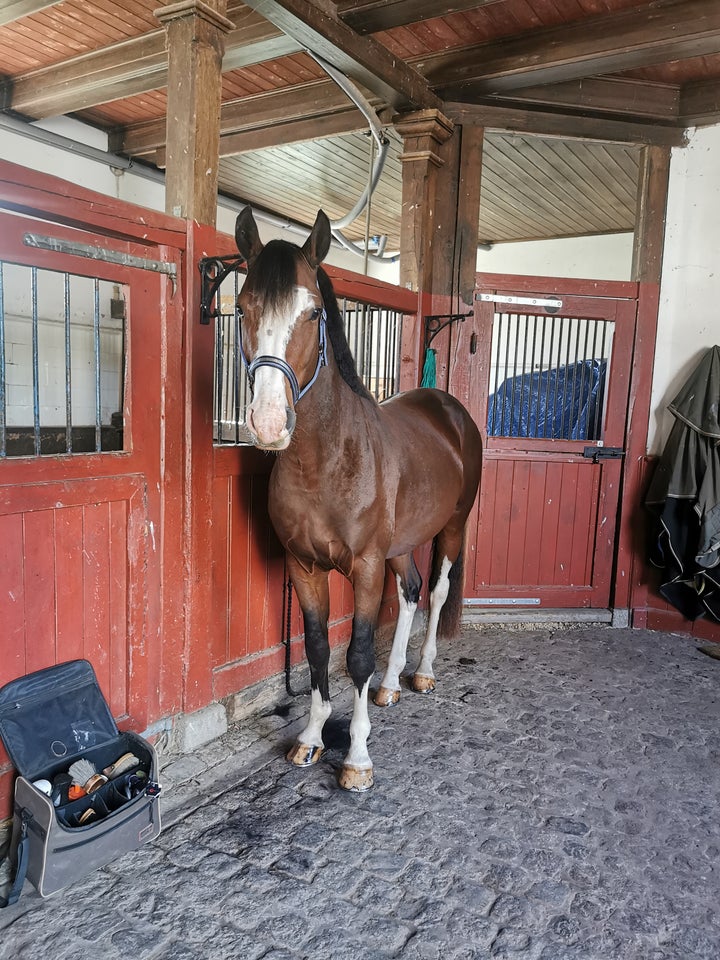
[[329, 412]]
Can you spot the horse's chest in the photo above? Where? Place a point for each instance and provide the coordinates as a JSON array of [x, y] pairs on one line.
[[322, 525]]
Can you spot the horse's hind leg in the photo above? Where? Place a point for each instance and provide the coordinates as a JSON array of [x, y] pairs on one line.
[[409, 582], [447, 557], [314, 597]]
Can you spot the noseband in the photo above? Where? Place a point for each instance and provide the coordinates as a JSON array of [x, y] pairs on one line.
[[285, 368]]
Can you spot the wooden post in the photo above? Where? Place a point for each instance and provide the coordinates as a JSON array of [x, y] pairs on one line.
[[195, 42], [457, 216], [631, 589], [650, 214], [423, 133]]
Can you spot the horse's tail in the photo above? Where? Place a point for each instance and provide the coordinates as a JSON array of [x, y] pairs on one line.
[[451, 613]]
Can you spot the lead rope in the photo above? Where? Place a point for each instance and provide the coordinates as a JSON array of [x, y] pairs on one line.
[[287, 603]]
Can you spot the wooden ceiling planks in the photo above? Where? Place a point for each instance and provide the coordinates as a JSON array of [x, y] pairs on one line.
[[533, 185]]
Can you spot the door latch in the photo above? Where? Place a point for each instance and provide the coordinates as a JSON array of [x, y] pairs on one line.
[[603, 453]]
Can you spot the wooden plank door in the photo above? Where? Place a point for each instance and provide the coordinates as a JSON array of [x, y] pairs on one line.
[[549, 387], [81, 533]]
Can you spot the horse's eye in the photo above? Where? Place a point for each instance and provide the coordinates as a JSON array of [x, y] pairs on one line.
[[316, 314]]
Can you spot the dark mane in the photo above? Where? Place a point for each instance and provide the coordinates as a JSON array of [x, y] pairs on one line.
[[276, 265], [338, 340]]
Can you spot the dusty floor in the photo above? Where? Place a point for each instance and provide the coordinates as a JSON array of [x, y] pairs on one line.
[[555, 799]]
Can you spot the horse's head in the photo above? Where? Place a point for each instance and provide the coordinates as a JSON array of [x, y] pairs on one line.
[[283, 325]]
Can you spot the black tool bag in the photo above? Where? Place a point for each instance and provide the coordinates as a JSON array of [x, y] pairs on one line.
[[49, 720]]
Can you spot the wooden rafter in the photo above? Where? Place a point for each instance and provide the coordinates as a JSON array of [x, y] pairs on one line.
[[700, 102], [621, 41], [362, 59], [371, 16], [544, 123], [132, 67], [319, 108]]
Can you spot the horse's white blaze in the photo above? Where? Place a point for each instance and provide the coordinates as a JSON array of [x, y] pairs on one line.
[[398, 653], [267, 415], [358, 755], [438, 596], [319, 712]]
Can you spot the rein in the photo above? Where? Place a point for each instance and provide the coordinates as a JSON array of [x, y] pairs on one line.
[[266, 360]]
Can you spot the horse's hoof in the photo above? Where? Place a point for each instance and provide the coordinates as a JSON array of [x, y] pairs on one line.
[[303, 755], [386, 698], [356, 779], [421, 684]]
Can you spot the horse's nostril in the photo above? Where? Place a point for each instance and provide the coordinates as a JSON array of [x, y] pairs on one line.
[[290, 419]]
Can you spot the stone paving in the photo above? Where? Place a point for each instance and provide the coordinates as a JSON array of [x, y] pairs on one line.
[[555, 799]]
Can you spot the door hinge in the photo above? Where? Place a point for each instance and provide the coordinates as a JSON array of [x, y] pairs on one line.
[[603, 453]]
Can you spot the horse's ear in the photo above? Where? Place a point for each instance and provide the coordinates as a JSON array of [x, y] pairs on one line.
[[247, 237], [317, 244]]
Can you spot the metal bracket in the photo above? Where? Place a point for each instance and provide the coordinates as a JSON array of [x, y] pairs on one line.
[[41, 242], [551, 305], [214, 271], [435, 322], [603, 453]]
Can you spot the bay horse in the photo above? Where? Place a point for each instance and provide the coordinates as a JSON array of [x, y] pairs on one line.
[[355, 484]]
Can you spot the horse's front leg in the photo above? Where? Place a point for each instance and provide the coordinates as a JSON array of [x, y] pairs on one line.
[[368, 580], [313, 594]]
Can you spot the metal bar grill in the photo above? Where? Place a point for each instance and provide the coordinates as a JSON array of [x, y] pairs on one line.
[[62, 363], [373, 334], [548, 376]]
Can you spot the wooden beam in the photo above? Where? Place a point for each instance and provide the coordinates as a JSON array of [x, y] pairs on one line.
[[650, 214], [610, 43], [349, 120], [279, 110], [700, 102], [544, 123], [370, 16], [132, 67], [600, 96], [16, 9], [361, 59], [312, 99], [423, 134], [456, 217], [195, 33]]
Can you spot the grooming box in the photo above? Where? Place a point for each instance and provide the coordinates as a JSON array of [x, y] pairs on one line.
[[49, 720]]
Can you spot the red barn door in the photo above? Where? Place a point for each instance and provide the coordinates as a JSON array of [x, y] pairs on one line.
[[549, 386]]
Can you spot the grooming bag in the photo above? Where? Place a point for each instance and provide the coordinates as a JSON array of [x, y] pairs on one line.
[[49, 720]]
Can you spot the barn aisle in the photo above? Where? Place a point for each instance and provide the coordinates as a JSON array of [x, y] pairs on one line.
[[556, 799]]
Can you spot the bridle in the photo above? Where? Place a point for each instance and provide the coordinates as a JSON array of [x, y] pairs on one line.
[[267, 360]]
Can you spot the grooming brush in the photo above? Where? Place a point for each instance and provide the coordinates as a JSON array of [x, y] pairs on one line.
[[128, 761], [85, 775]]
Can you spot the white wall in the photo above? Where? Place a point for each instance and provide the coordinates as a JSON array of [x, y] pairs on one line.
[[134, 188], [604, 257], [689, 320]]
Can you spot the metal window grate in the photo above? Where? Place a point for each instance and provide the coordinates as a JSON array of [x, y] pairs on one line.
[[548, 376], [62, 342], [374, 335]]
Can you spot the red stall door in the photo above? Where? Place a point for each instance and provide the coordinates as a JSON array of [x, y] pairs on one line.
[[81, 464], [549, 385]]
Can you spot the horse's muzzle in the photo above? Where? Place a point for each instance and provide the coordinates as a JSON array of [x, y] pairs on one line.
[[267, 435]]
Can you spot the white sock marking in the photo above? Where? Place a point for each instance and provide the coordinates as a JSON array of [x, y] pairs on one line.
[[398, 652], [438, 596], [320, 710], [358, 755]]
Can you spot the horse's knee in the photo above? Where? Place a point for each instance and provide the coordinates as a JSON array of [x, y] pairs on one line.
[[361, 654]]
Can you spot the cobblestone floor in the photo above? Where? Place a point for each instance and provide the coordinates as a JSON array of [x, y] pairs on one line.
[[555, 799]]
